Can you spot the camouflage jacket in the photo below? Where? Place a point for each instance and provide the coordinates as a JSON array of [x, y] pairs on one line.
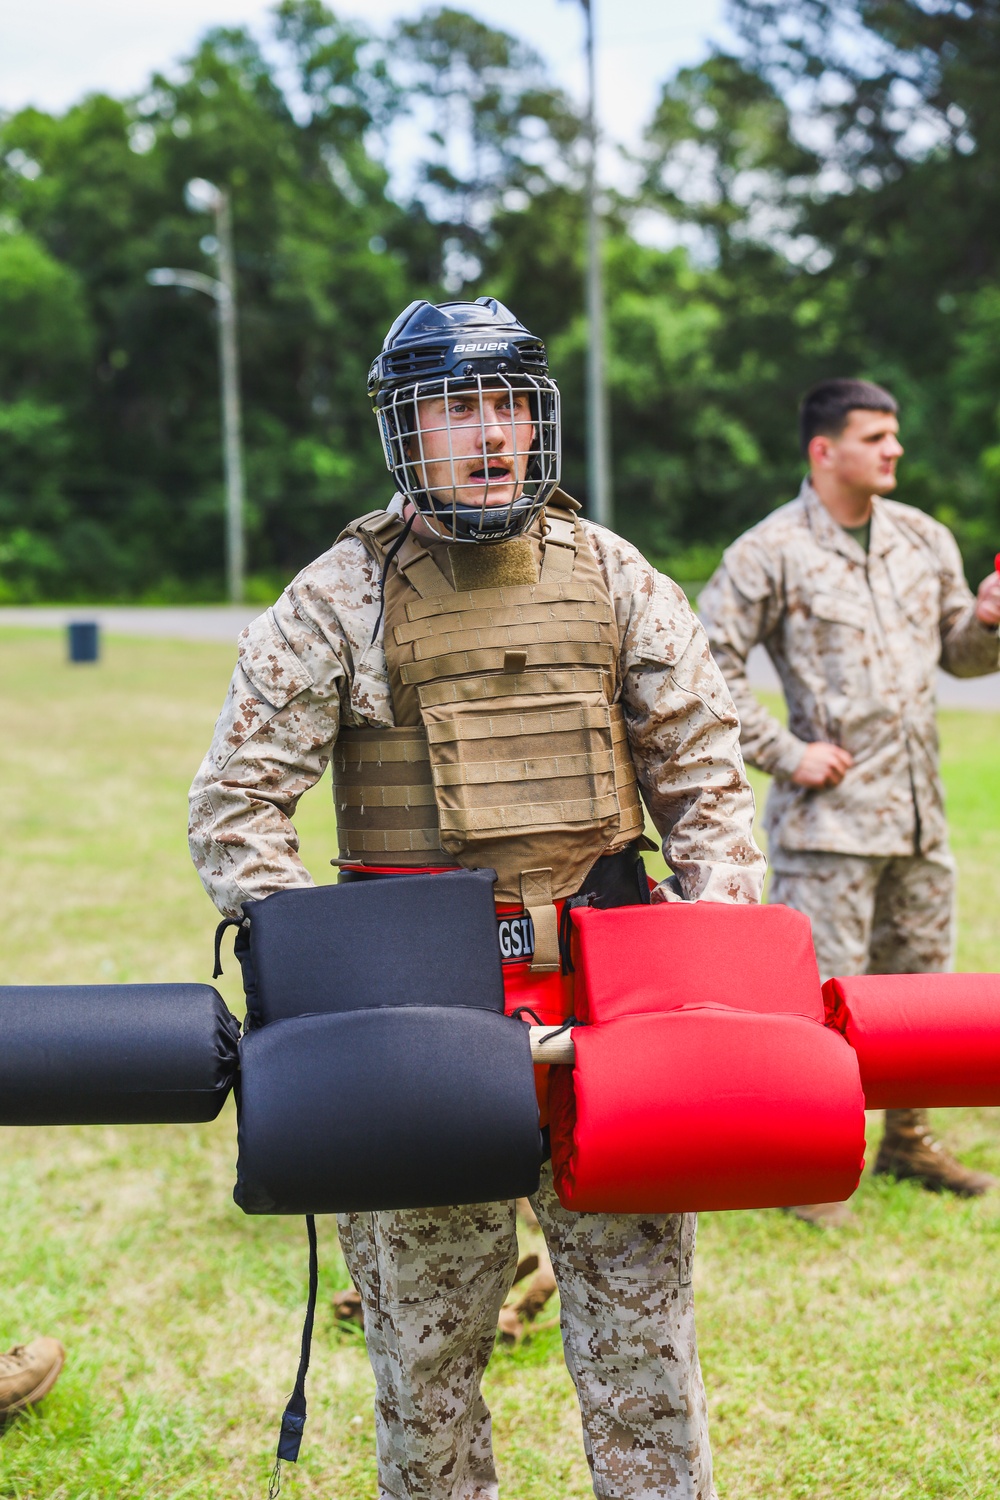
[[856, 640], [310, 664]]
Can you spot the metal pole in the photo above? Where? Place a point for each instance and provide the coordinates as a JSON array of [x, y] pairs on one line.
[[598, 416], [231, 417]]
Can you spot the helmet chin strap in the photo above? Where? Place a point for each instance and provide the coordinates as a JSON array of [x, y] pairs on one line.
[[444, 514]]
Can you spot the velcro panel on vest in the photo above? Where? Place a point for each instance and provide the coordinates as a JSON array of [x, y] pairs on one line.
[[114, 1054], [408, 940], [386, 1109], [706, 1109], [677, 954], [921, 1039]]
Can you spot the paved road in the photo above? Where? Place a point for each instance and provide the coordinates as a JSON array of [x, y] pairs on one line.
[[183, 623], [952, 692], [224, 623]]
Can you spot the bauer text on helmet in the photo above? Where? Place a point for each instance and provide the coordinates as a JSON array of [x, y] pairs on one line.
[[469, 418]]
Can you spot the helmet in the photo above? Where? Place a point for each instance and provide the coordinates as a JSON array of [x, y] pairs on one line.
[[476, 348]]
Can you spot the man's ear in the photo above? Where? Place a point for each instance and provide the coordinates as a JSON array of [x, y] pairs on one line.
[[820, 451]]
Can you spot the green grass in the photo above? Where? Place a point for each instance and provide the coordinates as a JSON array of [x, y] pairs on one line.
[[864, 1363]]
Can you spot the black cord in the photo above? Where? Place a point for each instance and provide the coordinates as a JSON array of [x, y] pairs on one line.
[[570, 1021], [385, 568]]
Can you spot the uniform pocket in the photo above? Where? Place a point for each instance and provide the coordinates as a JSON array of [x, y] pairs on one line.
[[834, 642], [839, 609], [269, 663], [443, 1256], [524, 771]]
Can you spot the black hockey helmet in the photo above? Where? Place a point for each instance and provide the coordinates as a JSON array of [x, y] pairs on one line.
[[441, 350]]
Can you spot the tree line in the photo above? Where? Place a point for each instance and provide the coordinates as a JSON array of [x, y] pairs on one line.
[[823, 199]]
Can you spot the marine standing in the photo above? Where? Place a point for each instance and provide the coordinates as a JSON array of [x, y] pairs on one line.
[[857, 599], [496, 682]]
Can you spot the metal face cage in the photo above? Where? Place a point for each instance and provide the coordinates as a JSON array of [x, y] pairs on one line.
[[478, 456]]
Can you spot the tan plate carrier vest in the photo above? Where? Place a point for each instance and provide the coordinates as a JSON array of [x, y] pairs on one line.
[[509, 751]]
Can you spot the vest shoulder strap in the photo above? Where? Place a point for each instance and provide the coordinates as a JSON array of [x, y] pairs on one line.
[[559, 545], [420, 570], [559, 500], [376, 530]]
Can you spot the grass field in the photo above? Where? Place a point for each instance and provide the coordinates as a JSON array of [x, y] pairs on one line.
[[863, 1363]]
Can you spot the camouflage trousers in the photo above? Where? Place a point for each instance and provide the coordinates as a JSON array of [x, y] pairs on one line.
[[871, 915], [433, 1281]]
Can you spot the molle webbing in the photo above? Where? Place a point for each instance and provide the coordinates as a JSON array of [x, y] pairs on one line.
[[385, 793], [384, 797], [510, 751]]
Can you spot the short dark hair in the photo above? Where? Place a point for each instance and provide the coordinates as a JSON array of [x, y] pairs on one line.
[[825, 407]]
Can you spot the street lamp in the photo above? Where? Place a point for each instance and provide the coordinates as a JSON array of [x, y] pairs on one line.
[[204, 196], [598, 421]]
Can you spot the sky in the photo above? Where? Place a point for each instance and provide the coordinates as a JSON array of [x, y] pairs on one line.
[[54, 51]]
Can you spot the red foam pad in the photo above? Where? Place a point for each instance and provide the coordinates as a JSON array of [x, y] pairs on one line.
[[636, 959], [706, 1109], [921, 1039]]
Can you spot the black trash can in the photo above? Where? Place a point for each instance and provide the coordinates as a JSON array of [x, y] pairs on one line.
[[84, 640]]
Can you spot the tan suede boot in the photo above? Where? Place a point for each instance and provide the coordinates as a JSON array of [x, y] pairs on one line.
[[822, 1215], [27, 1373], [909, 1149], [515, 1317]]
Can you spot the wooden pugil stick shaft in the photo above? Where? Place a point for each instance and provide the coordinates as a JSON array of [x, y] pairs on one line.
[[559, 1050]]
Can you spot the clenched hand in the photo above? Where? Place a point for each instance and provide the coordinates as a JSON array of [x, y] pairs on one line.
[[988, 599], [822, 765]]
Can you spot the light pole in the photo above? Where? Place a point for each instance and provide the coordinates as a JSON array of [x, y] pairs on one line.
[[202, 195], [598, 417]]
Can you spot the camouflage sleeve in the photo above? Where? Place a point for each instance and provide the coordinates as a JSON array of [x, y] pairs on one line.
[[968, 647], [740, 606], [272, 742], [683, 733]]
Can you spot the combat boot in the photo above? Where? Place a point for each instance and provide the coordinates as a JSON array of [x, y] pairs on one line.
[[27, 1373], [822, 1215], [910, 1149]]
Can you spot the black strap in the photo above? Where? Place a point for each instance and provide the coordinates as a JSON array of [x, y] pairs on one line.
[[294, 1419], [219, 933], [566, 928]]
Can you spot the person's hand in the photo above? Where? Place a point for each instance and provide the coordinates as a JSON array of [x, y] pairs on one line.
[[822, 765], [988, 600]]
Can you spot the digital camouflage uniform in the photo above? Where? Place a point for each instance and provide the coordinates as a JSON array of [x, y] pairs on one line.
[[856, 639], [433, 1281], [871, 915]]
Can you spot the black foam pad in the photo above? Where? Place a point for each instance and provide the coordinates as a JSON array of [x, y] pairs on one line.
[[405, 940], [390, 1108], [114, 1054]]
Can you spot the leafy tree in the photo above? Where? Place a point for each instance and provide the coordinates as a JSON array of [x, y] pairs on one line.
[[105, 193], [47, 341], [901, 98], [831, 192], [498, 132]]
